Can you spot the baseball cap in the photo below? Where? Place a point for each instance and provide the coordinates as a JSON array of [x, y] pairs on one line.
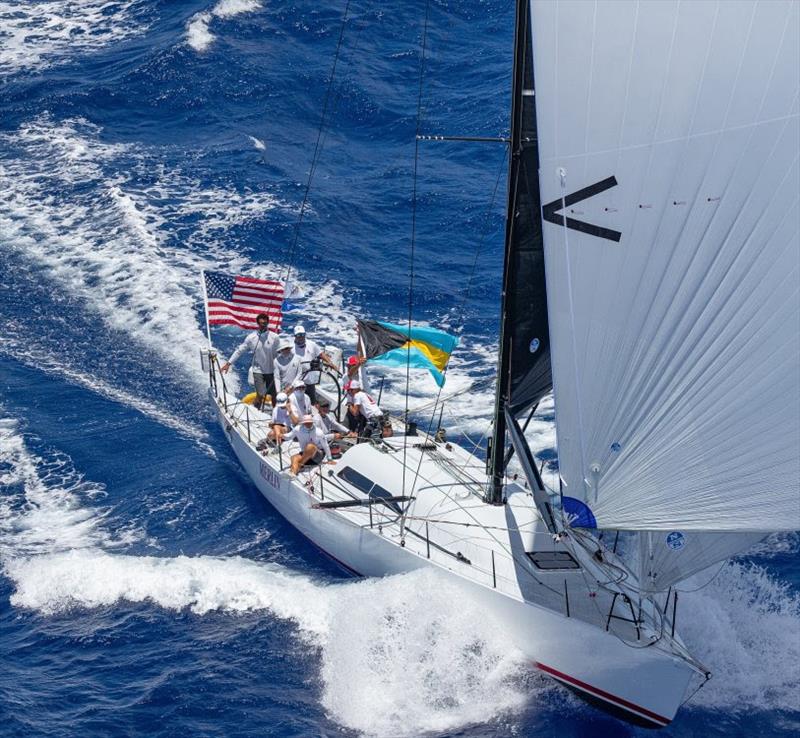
[[298, 383], [352, 361], [284, 344], [281, 397], [299, 330], [307, 419], [355, 384]]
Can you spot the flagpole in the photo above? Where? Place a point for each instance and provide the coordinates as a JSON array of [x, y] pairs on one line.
[[205, 305]]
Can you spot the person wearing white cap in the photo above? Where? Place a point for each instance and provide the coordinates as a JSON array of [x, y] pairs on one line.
[[310, 354], [366, 407], [299, 401], [281, 422], [286, 366], [311, 442]]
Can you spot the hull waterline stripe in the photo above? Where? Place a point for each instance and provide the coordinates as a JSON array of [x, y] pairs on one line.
[[602, 694]]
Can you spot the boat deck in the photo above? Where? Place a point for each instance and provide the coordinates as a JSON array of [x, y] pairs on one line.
[[448, 524]]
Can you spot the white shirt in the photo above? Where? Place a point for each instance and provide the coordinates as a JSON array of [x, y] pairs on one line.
[[328, 424], [264, 347], [299, 403], [286, 370], [309, 351], [360, 375], [281, 415], [304, 436], [366, 405]]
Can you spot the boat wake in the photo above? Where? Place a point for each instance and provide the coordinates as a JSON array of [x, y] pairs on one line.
[[37, 35], [391, 662]]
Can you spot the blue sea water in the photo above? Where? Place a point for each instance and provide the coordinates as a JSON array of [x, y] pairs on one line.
[[145, 586]]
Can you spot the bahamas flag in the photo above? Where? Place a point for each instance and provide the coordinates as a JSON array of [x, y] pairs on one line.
[[396, 345]]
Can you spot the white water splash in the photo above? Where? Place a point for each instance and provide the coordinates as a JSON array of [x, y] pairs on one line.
[[35, 35], [109, 243], [198, 35], [392, 662]]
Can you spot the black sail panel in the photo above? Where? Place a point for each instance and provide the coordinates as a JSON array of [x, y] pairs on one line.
[[524, 375], [526, 324]]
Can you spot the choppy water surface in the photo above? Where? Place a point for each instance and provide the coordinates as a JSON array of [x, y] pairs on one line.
[[145, 587]]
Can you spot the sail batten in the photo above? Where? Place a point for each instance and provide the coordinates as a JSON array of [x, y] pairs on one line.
[[684, 410]]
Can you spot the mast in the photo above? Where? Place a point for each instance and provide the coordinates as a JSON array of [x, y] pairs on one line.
[[496, 460]]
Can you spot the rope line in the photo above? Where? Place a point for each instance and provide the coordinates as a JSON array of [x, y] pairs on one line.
[[317, 147]]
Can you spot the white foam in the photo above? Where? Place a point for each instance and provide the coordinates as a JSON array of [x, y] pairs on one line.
[[258, 143], [392, 662], [115, 245], [198, 35], [34, 35], [745, 626]]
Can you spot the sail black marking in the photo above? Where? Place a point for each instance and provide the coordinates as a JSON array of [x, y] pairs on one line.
[[549, 211]]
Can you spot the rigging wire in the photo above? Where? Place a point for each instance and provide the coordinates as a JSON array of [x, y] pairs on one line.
[[317, 147], [423, 46]]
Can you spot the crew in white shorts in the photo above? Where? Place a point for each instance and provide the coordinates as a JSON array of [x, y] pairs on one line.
[[311, 441], [281, 422]]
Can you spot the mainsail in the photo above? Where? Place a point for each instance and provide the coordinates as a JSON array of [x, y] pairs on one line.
[[668, 142]]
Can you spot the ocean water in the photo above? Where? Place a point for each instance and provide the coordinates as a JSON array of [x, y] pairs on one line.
[[145, 586]]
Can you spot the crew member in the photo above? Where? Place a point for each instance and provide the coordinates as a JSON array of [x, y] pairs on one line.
[[311, 441], [281, 422], [327, 423], [263, 343], [299, 401], [365, 406], [310, 354], [286, 366]]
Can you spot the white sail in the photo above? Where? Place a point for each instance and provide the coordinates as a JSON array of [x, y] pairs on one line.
[[673, 284], [669, 557]]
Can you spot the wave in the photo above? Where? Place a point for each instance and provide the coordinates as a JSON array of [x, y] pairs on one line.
[[198, 35], [35, 35]]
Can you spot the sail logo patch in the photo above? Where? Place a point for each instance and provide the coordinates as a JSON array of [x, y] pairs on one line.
[[675, 540], [550, 211]]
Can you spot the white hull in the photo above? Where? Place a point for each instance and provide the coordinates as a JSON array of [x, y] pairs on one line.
[[645, 685]]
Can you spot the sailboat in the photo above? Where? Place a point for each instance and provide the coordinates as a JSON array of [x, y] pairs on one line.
[[651, 284]]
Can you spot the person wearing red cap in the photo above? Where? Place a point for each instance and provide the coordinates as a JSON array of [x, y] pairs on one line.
[[311, 441], [355, 371]]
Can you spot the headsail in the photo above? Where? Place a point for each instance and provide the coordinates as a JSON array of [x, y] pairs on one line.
[[668, 145]]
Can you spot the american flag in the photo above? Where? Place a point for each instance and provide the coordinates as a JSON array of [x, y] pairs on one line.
[[237, 300]]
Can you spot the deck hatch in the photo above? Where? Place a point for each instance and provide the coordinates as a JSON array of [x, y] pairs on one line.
[[550, 560], [367, 486]]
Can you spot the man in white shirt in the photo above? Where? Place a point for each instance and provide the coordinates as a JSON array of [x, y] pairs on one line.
[[299, 401], [311, 442], [310, 354], [286, 366], [264, 345], [326, 421], [367, 408]]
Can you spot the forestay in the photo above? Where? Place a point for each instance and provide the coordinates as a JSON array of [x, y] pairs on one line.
[[670, 132]]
